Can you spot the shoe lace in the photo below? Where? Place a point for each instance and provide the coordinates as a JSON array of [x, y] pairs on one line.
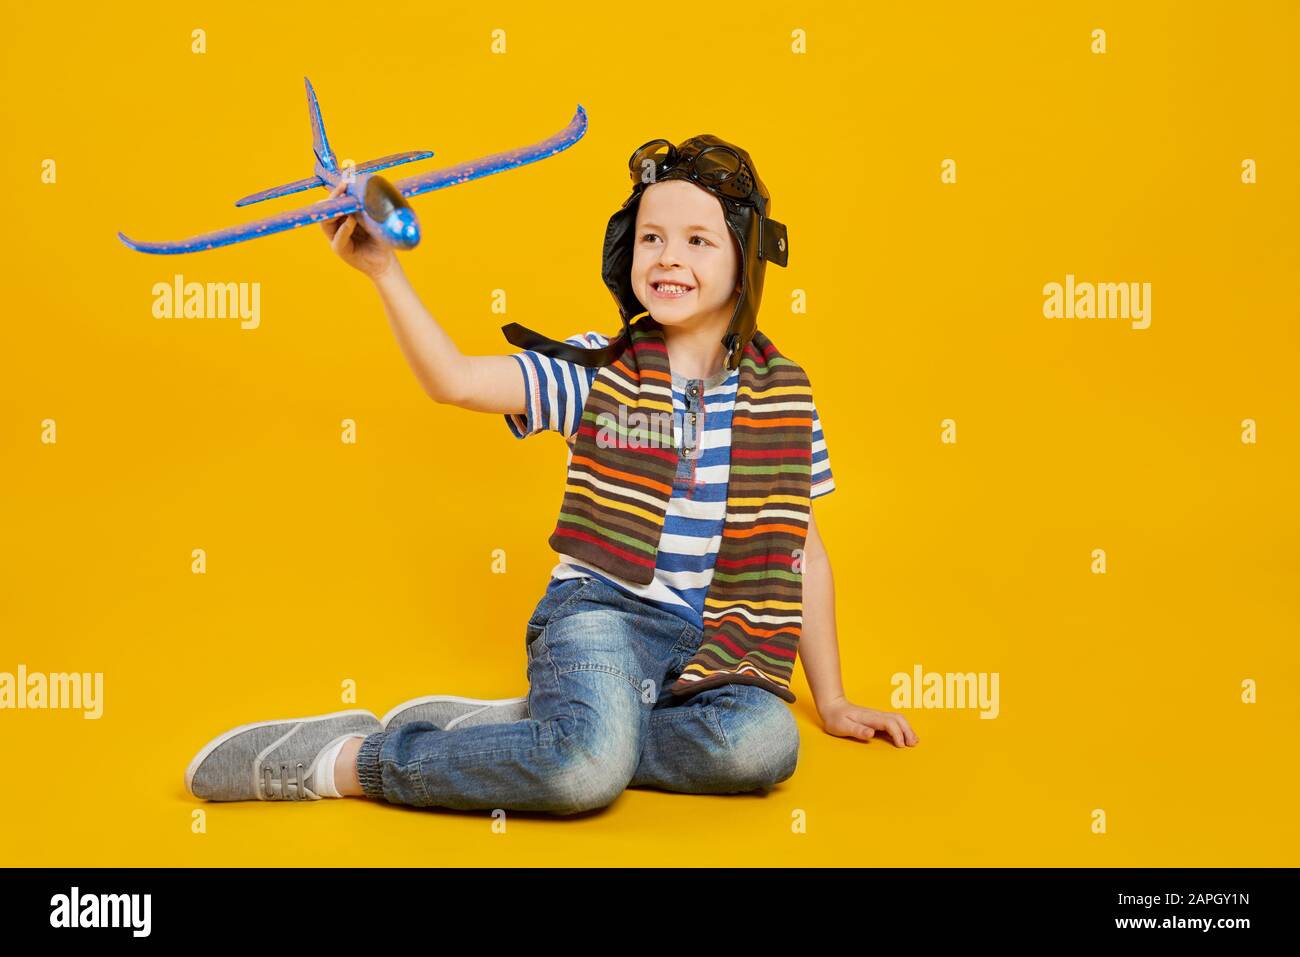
[[269, 779]]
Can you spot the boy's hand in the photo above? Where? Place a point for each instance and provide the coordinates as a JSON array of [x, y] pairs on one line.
[[848, 720], [355, 246]]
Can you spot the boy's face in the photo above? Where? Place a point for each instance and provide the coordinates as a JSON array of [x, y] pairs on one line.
[[681, 237]]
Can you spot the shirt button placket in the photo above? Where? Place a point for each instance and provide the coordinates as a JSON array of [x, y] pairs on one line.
[[692, 403]]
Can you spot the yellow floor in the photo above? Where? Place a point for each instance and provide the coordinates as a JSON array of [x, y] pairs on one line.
[[1185, 773]]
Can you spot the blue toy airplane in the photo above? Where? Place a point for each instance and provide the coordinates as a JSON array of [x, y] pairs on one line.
[[385, 213]]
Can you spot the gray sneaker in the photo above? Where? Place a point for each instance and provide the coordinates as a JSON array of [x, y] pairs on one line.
[[449, 711], [271, 760]]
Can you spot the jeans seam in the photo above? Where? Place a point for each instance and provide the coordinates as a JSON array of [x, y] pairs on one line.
[[681, 645], [675, 713], [409, 771], [713, 714], [415, 772], [544, 658], [604, 669]]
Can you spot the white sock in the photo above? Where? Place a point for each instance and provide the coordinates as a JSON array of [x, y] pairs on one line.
[[322, 779]]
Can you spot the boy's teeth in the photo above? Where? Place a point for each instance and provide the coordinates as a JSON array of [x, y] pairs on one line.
[[670, 287]]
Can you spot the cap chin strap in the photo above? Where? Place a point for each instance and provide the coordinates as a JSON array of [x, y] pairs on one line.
[[526, 338], [773, 246], [731, 342]]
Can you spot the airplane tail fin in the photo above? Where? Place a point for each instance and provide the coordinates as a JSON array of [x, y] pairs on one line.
[[319, 143]]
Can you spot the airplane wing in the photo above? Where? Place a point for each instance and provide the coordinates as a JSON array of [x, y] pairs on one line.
[[396, 159], [291, 219], [275, 192], [497, 162], [369, 166]]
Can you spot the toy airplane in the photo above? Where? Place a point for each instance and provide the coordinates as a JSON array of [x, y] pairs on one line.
[[385, 213]]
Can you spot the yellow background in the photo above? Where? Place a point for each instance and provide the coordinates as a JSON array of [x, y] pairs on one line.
[[373, 562]]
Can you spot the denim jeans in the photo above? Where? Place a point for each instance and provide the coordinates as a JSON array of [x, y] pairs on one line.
[[600, 720]]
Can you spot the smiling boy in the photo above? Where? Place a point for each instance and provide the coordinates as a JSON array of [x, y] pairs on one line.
[[660, 654]]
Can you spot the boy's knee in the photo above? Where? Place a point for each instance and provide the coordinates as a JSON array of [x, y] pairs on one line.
[[764, 744], [591, 771], [785, 748]]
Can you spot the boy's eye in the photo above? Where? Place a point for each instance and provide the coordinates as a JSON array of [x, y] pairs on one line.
[[648, 236]]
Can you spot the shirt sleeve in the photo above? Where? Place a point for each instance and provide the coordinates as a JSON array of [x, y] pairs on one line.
[[823, 482], [555, 390]]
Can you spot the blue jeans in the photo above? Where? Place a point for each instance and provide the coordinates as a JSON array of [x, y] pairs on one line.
[[600, 720]]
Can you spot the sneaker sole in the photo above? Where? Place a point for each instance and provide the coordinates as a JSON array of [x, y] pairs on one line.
[[222, 739], [428, 699]]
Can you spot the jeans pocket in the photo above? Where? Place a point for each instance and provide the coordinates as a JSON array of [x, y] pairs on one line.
[[559, 592]]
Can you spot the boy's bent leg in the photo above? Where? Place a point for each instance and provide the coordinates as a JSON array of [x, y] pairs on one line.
[[724, 740], [524, 765], [577, 750]]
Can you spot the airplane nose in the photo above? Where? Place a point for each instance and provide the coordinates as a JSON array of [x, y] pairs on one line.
[[403, 228]]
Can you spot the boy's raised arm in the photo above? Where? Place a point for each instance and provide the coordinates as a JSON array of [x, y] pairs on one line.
[[481, 383]]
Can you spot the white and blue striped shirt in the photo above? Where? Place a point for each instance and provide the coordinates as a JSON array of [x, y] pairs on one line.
[[556, 391]]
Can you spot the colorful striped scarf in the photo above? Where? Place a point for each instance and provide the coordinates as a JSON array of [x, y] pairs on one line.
[[620, 479]]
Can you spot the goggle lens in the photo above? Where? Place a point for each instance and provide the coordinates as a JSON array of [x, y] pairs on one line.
[[651, 160], [716, 167]]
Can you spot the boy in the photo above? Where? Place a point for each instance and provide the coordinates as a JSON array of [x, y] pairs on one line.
[[659, 655]]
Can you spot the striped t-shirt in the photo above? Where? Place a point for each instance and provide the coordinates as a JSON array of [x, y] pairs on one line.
[[556, 391]]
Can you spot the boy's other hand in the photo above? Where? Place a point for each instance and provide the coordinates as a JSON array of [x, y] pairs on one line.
[[355, 246], [848, 720]]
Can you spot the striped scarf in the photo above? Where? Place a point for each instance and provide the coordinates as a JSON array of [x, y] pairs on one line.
[[621, 476]]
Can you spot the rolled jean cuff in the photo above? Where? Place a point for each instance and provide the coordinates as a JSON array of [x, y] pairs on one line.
[[368, 770]]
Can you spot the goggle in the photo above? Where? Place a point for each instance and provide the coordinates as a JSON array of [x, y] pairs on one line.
[[716, 168]]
